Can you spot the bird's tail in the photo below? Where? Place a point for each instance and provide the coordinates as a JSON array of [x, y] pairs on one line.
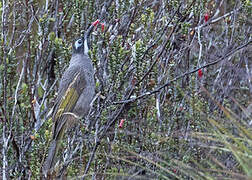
[[50, 160], [49, 163]]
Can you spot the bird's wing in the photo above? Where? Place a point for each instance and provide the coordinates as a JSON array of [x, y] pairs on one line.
[[71, 86]]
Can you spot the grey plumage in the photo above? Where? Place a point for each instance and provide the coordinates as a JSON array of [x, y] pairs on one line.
[[78, 82]]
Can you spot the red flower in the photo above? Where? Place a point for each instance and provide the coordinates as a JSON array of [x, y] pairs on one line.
[[206, 17], [102, 27], [200, 73], [121, 123], [96, 22]]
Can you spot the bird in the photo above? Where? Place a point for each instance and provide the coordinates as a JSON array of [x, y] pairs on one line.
[[75, 94]]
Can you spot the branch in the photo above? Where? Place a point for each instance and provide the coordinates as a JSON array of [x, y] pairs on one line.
[[184, 74]]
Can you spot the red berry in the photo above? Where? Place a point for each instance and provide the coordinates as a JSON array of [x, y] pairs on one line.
[[200, 73]]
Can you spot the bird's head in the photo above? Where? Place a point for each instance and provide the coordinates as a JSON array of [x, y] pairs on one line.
[[82, 44]]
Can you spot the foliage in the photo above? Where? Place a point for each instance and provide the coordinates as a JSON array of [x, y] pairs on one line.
[[173, 84]]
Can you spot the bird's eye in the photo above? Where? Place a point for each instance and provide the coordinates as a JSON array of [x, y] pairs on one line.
[[78, 43]]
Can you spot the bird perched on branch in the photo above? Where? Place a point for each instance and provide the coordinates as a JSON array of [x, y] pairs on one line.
[[76, 91]]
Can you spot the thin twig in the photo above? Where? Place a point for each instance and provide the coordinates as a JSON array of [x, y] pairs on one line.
[[200, 44], [91, 158], [216, 19], [16, 92]]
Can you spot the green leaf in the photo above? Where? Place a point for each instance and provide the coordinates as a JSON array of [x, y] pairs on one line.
[[24, 87], [40, 91], [52, 19], [1, 67], [51, 36]]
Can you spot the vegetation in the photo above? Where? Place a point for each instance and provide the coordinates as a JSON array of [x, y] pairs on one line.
[[173, 84]]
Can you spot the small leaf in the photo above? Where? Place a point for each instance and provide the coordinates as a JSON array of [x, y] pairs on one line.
[[40, 91], [51, 36], [24, 87]]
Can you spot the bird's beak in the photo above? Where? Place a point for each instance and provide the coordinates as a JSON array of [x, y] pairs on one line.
[[87, 36], [90, 29]]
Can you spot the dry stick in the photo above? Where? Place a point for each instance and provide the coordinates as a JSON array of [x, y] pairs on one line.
[[185, 74], [91, 158], [16, 93]]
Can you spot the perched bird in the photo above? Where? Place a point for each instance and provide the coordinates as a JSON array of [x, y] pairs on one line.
[[76, 91]]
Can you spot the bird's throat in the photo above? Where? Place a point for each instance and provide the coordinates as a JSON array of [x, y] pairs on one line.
[[85, 46]]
